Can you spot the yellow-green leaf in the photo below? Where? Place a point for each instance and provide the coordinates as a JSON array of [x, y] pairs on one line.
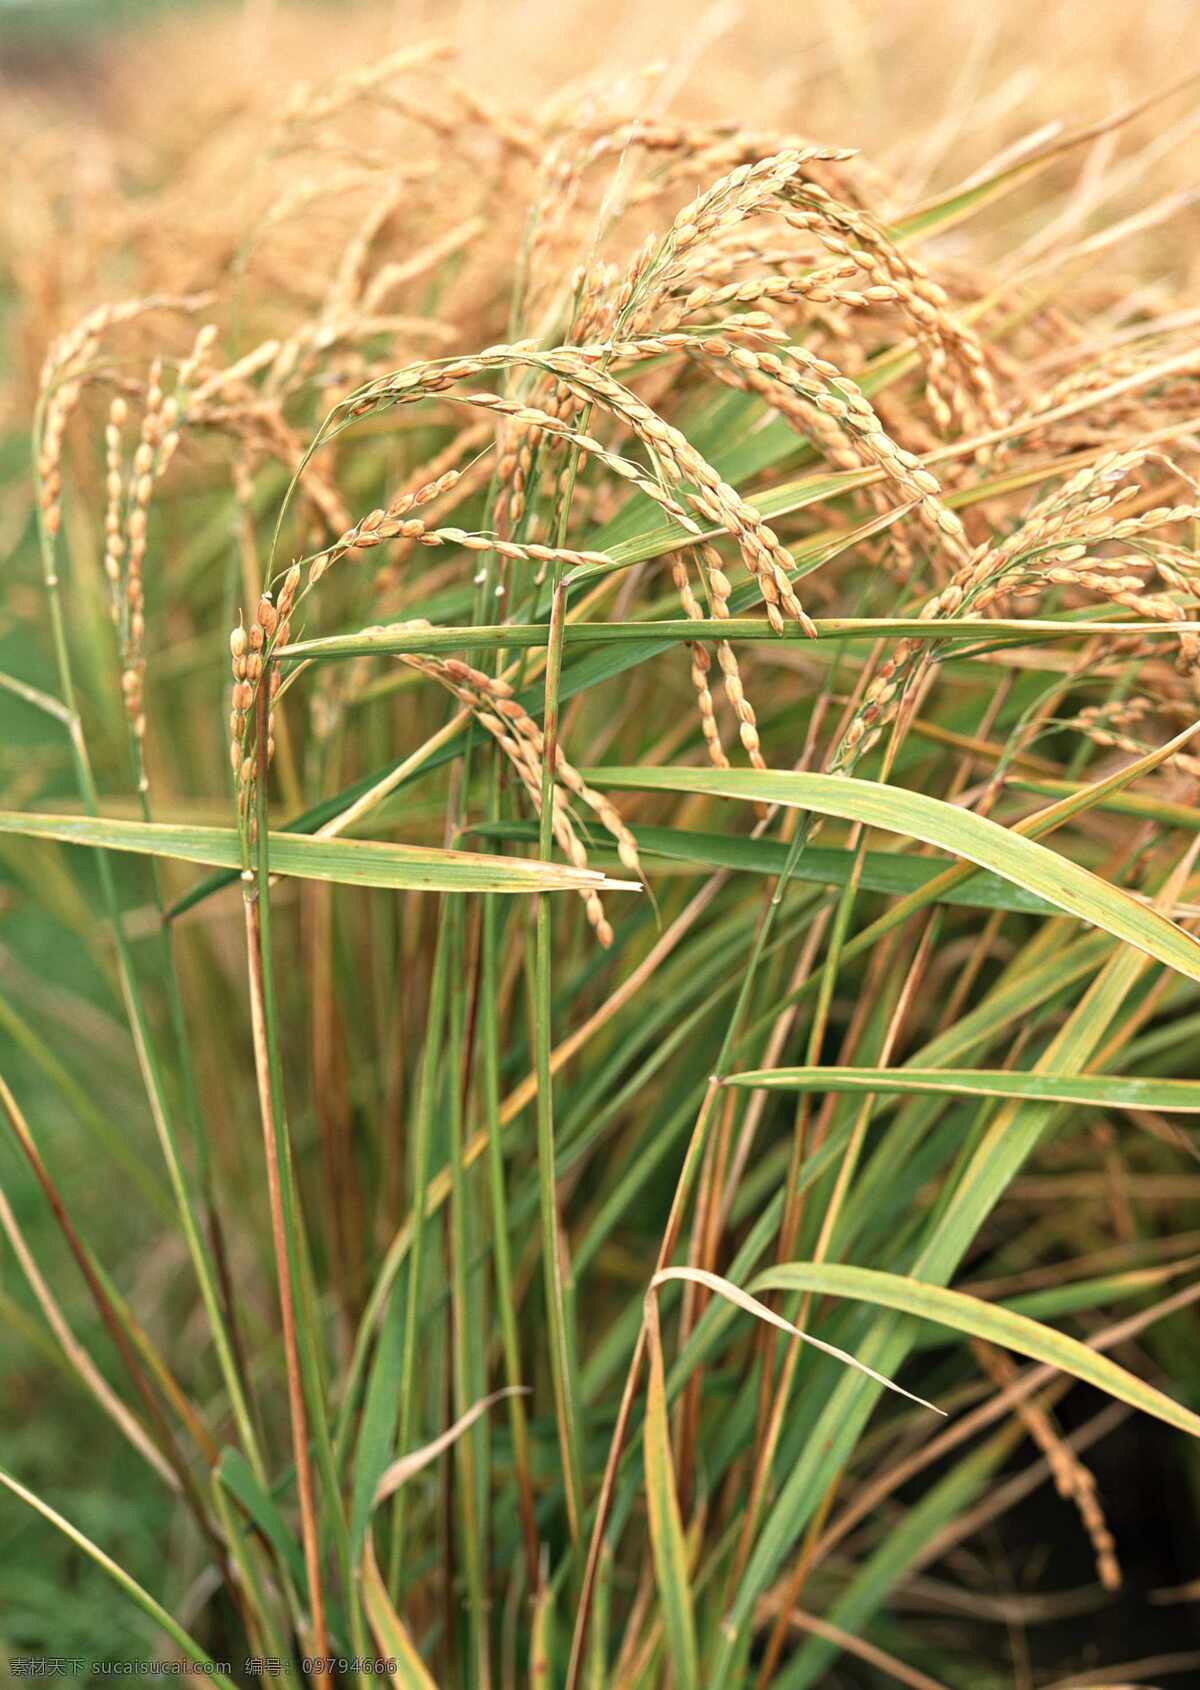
[[666, 1525], [1105, 1091], [351, 862], [391, 1634], [981, 1320], [1055, 878]]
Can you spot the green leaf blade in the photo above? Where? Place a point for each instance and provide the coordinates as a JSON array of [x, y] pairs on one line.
[[667, 1540], [1107, 1091], [1011, 855], [348, 862], [989, 1321]]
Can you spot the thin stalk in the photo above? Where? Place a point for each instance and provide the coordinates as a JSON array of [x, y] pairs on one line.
[[693, 1160], [468, 1451], [421, 1157], [560, 1348], [307, 1323], [256, 896], [488, 1013], [262, 1627], [769, 1422], [771, 1414], [501, 1254], [845, 1175], [131, 993], [560, 1355], [191, 1095]]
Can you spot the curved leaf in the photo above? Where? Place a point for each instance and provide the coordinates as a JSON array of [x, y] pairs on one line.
[[349, 862], [147, 1603], [403, 1469], [1055, 878], [402, 640], [750, 1305], [1105, 1091], [982, 1320], [895, 873]]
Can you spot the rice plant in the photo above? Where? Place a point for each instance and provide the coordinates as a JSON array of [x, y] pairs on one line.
[[598, 889]]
